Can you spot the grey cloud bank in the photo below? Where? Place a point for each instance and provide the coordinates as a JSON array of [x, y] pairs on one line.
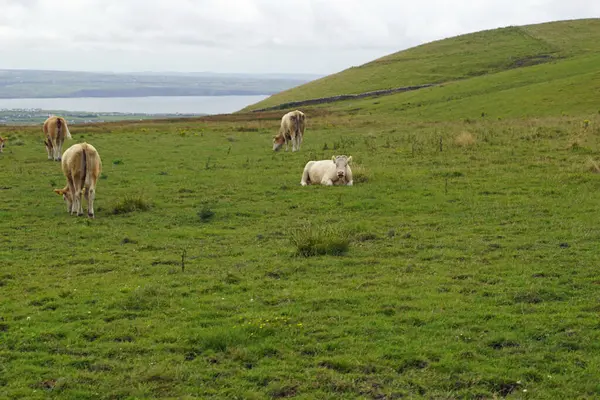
[[251, 36]]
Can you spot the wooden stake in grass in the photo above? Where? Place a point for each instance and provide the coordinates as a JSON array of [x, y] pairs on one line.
[[183, 254]]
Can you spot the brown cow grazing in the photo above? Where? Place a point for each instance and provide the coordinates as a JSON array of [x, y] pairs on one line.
[[81, 165], [2, 143], [55, 132], [291, 129]]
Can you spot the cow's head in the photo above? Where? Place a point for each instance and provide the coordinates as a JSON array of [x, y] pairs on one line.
[[2, 142], [278, 141], [67, 196], [341, 163]]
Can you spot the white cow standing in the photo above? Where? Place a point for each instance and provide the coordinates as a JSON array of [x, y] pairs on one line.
[[328, 172], [291, 130]]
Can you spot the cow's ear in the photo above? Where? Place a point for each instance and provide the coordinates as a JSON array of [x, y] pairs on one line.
[[349, 159], [333, 158]]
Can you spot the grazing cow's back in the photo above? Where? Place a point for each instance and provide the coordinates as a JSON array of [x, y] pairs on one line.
[[291, 129], [55, 131], [81, 165], [328, 172]]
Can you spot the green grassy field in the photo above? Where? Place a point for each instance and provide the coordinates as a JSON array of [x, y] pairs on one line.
[[461, 265], [470, 272], [457, 58]]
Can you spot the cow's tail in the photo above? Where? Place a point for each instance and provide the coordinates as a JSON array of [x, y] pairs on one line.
[[84, 168], [91, 168], [58, 133], [65, 128]]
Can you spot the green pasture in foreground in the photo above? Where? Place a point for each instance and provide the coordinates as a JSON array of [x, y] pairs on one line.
[[471, 270]]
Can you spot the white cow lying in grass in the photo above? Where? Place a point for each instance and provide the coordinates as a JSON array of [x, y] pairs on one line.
[[328, 172], [81, 165]]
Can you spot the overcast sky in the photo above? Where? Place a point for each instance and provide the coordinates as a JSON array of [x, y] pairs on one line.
[[300, 36]]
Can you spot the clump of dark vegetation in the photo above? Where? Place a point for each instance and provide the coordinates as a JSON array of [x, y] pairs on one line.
[[130, 204], [312, 240], [206, 214]]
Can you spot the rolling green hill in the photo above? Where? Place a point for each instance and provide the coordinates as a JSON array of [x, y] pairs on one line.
[[460, 58]]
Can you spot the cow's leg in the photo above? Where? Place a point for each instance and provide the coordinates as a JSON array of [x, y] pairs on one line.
[[48, 149], [90, 195], [327, 182], [71, 207], [80, 202], [59, 150], [55, 150]]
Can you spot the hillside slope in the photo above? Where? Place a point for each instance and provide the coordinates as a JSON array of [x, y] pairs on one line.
[[457, 58], [569, 87]]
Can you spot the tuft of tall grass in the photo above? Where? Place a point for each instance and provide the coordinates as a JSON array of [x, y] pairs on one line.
[[360, 174], [465, 139], [130, 204], [592, 166], [315, 240]]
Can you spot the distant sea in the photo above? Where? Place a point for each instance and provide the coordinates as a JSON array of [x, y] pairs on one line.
[[144, 105]]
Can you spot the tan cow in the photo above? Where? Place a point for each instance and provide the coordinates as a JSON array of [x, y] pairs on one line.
[[81, 165], [55, 132], [328, 172], [291, 129], [2, 143]]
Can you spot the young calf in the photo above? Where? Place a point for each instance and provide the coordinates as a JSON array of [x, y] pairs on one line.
[[328, 172], [2, 143], [55, 132], [81, 165]]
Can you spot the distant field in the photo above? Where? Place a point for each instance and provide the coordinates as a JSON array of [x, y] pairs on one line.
[[68, 84], [37, 117]]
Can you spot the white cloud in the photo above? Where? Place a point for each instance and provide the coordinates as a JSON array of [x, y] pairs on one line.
[[320, 36]]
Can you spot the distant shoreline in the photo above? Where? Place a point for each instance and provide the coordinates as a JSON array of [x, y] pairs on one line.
[[124, 95], [87, 109]]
